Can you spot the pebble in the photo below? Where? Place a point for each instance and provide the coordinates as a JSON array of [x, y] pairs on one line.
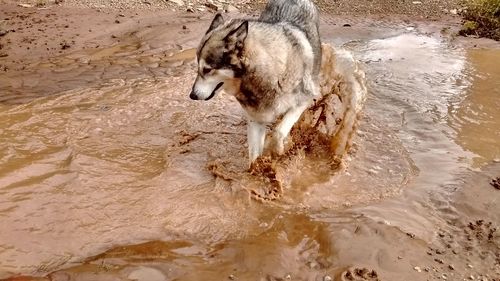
[[178, 2], [232, 277], [439, 261], [313, 265], [417, 269], [230, 9], [327, 278], [469, 265], [212, 6]]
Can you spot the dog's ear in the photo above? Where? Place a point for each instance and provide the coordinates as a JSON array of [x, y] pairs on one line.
[[217, 21], [238, 35]]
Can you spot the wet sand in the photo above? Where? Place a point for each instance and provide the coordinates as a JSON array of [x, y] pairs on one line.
[[109, 172]]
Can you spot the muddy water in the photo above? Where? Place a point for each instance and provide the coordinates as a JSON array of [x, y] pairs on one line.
[[102, 148]]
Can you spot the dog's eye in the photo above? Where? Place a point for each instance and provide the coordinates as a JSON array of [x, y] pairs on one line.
[[206, 70]]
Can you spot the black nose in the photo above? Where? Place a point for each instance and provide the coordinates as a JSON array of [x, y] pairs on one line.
[[193, 96]]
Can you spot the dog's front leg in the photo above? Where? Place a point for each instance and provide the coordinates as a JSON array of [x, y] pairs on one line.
[[256, 135], [285, 126]]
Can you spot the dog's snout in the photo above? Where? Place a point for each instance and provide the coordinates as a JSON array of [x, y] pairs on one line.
[[193, 95]]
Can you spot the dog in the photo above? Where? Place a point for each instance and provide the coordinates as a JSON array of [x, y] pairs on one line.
[[270, 65]]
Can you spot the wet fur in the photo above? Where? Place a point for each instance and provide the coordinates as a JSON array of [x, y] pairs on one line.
[[270, 65]]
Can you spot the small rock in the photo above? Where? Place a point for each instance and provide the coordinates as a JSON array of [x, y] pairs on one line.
[[313, 265], [117, 21], [471, 277], [327, 278], [288, 277], [470, 265], [453, 11], [495, 183], [411, 235], [439, 261], [184, 27], [444, 277], [212, 6], [417, 269], [451, 267], [178, 2], [230, 9], [232, 277], [346, 25], [65, 45], [25, 5], [417, 2]]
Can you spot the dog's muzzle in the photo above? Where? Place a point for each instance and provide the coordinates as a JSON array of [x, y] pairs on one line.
[[194, 96]]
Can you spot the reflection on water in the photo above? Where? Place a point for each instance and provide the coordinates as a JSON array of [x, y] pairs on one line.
[[120, 157], [475, 115]]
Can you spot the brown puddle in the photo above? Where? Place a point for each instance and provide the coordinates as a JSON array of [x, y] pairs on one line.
[[116, 154]]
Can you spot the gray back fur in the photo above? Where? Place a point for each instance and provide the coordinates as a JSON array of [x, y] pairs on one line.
[[302, 14]]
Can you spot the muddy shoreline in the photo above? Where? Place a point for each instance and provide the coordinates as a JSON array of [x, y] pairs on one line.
[[103, 171]]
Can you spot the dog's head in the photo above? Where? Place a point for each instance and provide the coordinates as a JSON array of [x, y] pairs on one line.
[[219, 57]]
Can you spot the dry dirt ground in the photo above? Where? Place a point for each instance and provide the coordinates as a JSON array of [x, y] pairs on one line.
[[34, 29]]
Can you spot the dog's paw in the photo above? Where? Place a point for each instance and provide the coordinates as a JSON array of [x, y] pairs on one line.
[[279, 148], [277, 144]]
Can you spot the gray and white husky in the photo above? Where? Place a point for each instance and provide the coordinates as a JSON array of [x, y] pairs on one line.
[[271, 65]]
